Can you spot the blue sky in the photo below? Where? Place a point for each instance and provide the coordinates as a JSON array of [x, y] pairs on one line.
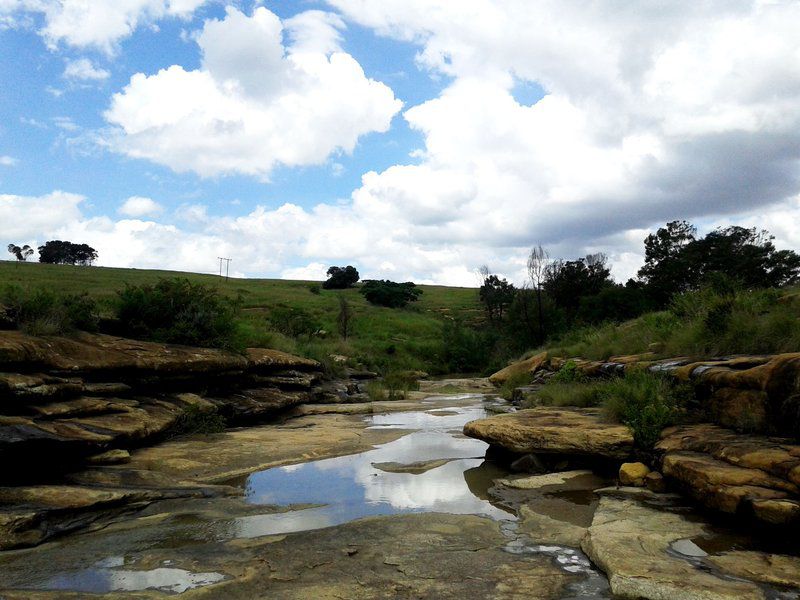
[[417, 139]]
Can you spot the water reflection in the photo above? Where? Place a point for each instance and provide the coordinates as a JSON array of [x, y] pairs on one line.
[[352, 487], [106, 576]]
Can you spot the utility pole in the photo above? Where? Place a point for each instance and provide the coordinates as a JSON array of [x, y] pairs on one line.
[[227, 266]]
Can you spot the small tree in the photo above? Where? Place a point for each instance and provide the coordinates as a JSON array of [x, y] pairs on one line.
[[537, 269], [341, 278], [21, 254], [345, 317], [496, 294]]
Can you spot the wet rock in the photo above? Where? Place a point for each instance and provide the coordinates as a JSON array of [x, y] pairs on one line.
[[525, 367], [773, 569], [416, 468], [633, 474], [630, 542], [548, 530], [539, 481], [569, 431]]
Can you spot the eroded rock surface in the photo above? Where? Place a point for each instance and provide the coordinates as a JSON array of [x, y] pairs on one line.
[[735, 473], [568, 431], [630, 542]]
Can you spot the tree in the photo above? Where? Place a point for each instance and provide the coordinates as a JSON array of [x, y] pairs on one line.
[[567, 282], [340, 278], [389, 293], [538, 260], [58, 252], [677, 261], [496, 295], [21, 254], [344, 318]]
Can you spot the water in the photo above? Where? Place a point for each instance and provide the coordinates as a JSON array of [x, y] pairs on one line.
[[445, 472]]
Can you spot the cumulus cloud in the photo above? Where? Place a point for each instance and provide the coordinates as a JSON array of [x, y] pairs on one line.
[[32, 216], [99, 24], [650, 113], [83, 69], [139, 206], [254, 103]]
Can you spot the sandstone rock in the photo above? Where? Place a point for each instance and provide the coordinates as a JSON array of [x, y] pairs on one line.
[[525, 367], [266, 360], [655, 482], [545, 529], [630, 542], [570, 431], [633, 474], [773, 569], [538, 481], [743, 410], [416, 468], [112, 457], [777, 512]]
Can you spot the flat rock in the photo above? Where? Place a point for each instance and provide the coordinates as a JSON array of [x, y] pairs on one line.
[[630, 542], [571, 431], [525, 367], [415, 468], [773, 569], [539, 481], [269, 360]]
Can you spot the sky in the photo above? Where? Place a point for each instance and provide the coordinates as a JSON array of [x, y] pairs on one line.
[[414, 139]]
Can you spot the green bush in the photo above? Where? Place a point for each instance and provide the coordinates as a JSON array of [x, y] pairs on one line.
[[389, 293], [44, 312], [195, 419], [294, 322], [509, 385], [315, 289], [645, 402], [568, 373], [570, 394], [179, 312]]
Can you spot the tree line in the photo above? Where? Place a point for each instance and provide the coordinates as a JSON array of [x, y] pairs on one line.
[[562, 294], [57, 252]]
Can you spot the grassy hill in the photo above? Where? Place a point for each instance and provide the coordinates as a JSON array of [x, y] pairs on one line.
[[383, 338]]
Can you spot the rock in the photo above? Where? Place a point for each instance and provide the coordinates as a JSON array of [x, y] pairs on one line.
[[569, 431], [633, 474], [743, 410], [655, 482], [630, 543], [773, 569], [547, 530], [416, 468], [538, 481], [112, 457], [266, 360], [734, 473], [525, 367]]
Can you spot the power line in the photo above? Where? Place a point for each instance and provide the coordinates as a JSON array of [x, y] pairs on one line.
[[227, 266]]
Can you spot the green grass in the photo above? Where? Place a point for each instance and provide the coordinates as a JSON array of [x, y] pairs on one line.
[[698, 324], [383, 338]]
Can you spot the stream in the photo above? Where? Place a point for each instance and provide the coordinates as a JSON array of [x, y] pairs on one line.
[[433, 467]]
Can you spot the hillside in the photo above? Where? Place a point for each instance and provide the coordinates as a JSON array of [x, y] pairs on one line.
[[382, 338]]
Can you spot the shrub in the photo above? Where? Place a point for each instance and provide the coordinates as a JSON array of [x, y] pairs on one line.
[[44, 312], [570, 394], [467, 350], [315, 289], [645, 402], [340, 278], [568, 373], [195, 419], [294, 322], [512, 383], [389, 293], [179, 312]]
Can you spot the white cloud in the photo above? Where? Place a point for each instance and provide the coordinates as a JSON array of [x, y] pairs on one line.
[[8, 161], [99, 24], [700, 120], [139, 206], [82, 69], [254, 104], [33, 216]]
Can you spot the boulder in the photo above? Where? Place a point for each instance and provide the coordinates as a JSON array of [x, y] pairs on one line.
[[569, 431], [655, 482], [526, 367], [633, 474]]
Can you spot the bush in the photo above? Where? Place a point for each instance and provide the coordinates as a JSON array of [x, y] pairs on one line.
[[517, 380], [315, 289], [294, 322], [179, 312], [568, 373], [570, 394], [467, 350], [43, 312], [389, 293], [195, 419], [645, 402]]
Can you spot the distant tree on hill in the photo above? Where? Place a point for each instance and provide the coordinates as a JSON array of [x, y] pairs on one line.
[[340, 278], [389, 293], [57, 252], [567, 282], [496, 295], [21, 254], [677, 261]]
